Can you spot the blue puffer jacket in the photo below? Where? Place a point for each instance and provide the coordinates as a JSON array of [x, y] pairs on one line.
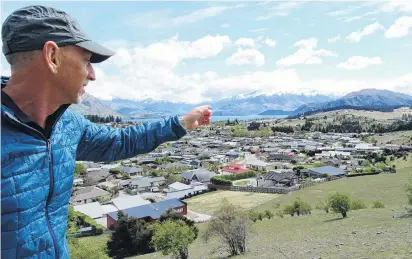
[[37, 174]]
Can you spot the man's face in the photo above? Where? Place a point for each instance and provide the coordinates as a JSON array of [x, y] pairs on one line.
[[75, 72]]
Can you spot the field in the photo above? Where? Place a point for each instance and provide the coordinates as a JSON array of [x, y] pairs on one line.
[[208, 203]]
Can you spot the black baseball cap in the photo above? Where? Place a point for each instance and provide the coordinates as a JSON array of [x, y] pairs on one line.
[[30, 27]]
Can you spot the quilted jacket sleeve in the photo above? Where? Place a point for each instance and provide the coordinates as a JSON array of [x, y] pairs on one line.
[[104, 144]]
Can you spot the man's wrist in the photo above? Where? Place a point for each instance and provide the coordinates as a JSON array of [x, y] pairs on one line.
[[183, 122]]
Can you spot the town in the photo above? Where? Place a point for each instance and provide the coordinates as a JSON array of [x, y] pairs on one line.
[[220, 157]]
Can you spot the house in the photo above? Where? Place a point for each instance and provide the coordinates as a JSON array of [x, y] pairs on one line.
[[201, 175], [94, 210], [280, 157], [131, 171], [125, 202], [319, 172], [253, 162], [144, 184], [88, 194], [273, 178], [149, 213], [234, 168], [95, 176], [178, 190]]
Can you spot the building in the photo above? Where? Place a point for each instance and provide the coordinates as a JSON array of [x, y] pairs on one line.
[[150, 212], [234, 168], [319, 172]]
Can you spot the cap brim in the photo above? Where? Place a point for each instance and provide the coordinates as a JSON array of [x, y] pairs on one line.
[[99, 53]]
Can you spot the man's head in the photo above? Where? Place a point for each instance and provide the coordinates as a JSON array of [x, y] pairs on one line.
[[50, 43]]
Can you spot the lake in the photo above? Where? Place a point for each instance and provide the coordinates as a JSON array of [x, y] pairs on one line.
[[225, 118]]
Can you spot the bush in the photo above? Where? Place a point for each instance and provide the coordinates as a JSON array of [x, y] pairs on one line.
[[378, 205], [228, 178], [339, 203], [268, 214], [253, 216], [261, 216], [357, 205], [298, 207]]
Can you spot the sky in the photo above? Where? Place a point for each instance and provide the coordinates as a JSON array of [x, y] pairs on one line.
[[205, 51]]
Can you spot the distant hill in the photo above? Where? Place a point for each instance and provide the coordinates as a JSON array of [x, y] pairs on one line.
[[93, 106], [246, 104], [366, 99], [276, 112]]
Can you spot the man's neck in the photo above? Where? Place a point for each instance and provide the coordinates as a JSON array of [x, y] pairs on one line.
[[36, 102]]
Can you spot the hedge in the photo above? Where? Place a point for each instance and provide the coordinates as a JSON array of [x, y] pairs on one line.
[[228, 178]]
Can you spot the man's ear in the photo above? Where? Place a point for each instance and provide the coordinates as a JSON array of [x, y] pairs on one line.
[[52, 56]]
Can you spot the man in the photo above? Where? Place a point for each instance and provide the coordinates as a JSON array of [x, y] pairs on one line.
[[50, 58]]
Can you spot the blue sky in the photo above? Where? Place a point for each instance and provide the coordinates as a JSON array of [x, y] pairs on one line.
[[200, 51]]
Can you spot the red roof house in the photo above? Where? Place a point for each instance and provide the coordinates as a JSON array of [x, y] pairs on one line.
[[234, 168]]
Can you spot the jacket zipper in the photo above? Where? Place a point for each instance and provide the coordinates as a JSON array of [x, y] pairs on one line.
[[51, 175]]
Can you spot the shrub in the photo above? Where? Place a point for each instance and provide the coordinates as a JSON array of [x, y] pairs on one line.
[[261, 216], [228, 178], [378, 205], [268, 214], [298, 207], [253, 216], [357, 205], [339, 203]]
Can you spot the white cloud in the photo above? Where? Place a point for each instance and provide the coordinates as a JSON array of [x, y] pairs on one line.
[[334, 39], [147, 72], [359, 62], [306, 54], [367, 30], [396, 6], [289, 81], [245, 42], [162, 19], [400, 28], [281, 9], [271, 43], [246, 57]]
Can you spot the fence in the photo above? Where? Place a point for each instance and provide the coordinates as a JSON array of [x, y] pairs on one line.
[[281, 190]]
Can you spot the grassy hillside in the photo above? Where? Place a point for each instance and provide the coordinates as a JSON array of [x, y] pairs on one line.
[[368, 233]]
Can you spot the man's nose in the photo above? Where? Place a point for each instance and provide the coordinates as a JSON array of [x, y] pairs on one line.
[[91, 74]]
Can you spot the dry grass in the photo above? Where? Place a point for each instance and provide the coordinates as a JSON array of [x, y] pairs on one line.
[[370, 114], [399, 137], [208, 203]]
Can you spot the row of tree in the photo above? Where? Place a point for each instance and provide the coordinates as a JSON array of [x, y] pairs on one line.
[[102, 119]]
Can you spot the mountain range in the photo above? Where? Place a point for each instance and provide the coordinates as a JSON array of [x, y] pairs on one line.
[[292, 104], [372, 99]]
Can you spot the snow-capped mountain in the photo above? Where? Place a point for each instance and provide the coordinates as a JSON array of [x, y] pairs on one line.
[[244, 104]]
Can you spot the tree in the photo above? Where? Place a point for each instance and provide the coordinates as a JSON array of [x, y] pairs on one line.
[[171, 214], [340, 203], [232, 226], [173, 237], [79, 170], [131, 237]]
